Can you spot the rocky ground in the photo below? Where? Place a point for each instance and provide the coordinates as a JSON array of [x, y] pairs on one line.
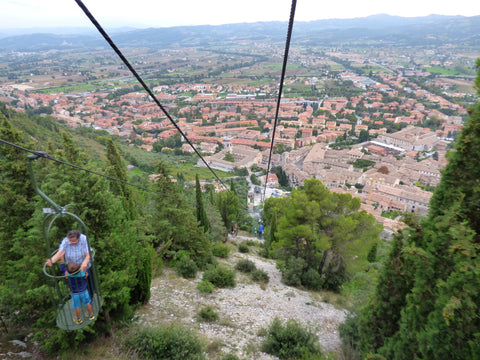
[[243, 311]]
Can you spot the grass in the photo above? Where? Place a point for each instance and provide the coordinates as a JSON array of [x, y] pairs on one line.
[[73, 88], [442, 71]]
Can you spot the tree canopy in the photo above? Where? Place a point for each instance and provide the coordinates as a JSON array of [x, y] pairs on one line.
[[325, 230]]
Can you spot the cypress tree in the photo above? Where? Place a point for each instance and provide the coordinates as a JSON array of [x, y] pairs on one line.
[[438, 316], [117, 169], [201, 212]]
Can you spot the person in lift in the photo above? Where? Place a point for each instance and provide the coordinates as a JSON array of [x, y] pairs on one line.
[[77, 282]]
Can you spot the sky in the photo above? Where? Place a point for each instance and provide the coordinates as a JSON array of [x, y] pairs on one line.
[[167, 13]]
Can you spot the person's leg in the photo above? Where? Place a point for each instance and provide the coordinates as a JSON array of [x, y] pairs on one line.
[[89, 309], [88, 304], [76, 304]]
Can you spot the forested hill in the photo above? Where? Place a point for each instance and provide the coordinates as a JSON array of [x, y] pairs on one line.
[[390, 30]]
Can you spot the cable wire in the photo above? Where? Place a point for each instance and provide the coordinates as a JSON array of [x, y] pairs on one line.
[[144, 85], [43, 154], [284, 67]]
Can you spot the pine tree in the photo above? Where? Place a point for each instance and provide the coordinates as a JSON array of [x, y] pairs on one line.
[[326, 230]]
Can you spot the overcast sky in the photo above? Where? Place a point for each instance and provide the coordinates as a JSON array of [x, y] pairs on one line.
[[166, 13]]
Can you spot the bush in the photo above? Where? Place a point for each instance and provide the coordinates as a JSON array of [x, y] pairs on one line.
[[207, 314], [260, 275], [220, 276], [335, 273], [168, 342], [205, 287], [243, 248], [230, 357], [312, 279], [293, 271], [348, 331], [291, 341], [245, 266], [372, 254], [187, 268], [221, 250]]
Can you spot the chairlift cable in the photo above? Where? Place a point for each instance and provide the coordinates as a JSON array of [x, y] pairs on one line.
[[49, 157], [144, 85], [284, 67]]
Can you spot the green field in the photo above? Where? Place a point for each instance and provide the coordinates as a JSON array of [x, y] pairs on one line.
[[442, 71], [79, 88]]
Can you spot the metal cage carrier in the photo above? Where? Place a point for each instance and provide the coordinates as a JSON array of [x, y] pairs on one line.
[[56, 220]]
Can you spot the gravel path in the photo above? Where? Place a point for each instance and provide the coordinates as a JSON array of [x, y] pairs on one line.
[[244, 311]]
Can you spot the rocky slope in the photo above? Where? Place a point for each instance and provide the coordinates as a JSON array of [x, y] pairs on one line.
[[243, 311]]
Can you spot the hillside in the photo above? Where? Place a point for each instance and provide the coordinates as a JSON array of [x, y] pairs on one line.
[[389, 30], [244, 310]]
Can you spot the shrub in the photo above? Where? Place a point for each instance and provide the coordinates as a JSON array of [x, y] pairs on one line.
[[243, 248], [207, 314], [220, 276], [168, 342], [312, 279], [205, 287], [186, 267], [372, 254], [334, 274], [245, 265], [230, 357], [221, 250], [348, 331], [293, 271], [291, 341], [260, 275]]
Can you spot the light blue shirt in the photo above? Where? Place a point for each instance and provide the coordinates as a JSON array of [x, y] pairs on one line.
[[75, 253]]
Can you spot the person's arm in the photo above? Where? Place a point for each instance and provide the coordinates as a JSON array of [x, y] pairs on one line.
[[58, 255], [83, 266], [63, 269]]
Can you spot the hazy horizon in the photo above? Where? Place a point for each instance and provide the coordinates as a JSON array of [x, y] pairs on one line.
[[24, 14]]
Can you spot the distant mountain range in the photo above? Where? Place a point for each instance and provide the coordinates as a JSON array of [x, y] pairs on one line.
[[382, 29]]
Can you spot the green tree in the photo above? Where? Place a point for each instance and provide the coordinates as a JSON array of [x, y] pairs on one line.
[[282, 177], [325, 229], [228, 203], [16, 191], [201, 213], [120, 250], [229, 157], [363, 136], [434, 310], [176, 227], [18, 251], [117, 169]]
